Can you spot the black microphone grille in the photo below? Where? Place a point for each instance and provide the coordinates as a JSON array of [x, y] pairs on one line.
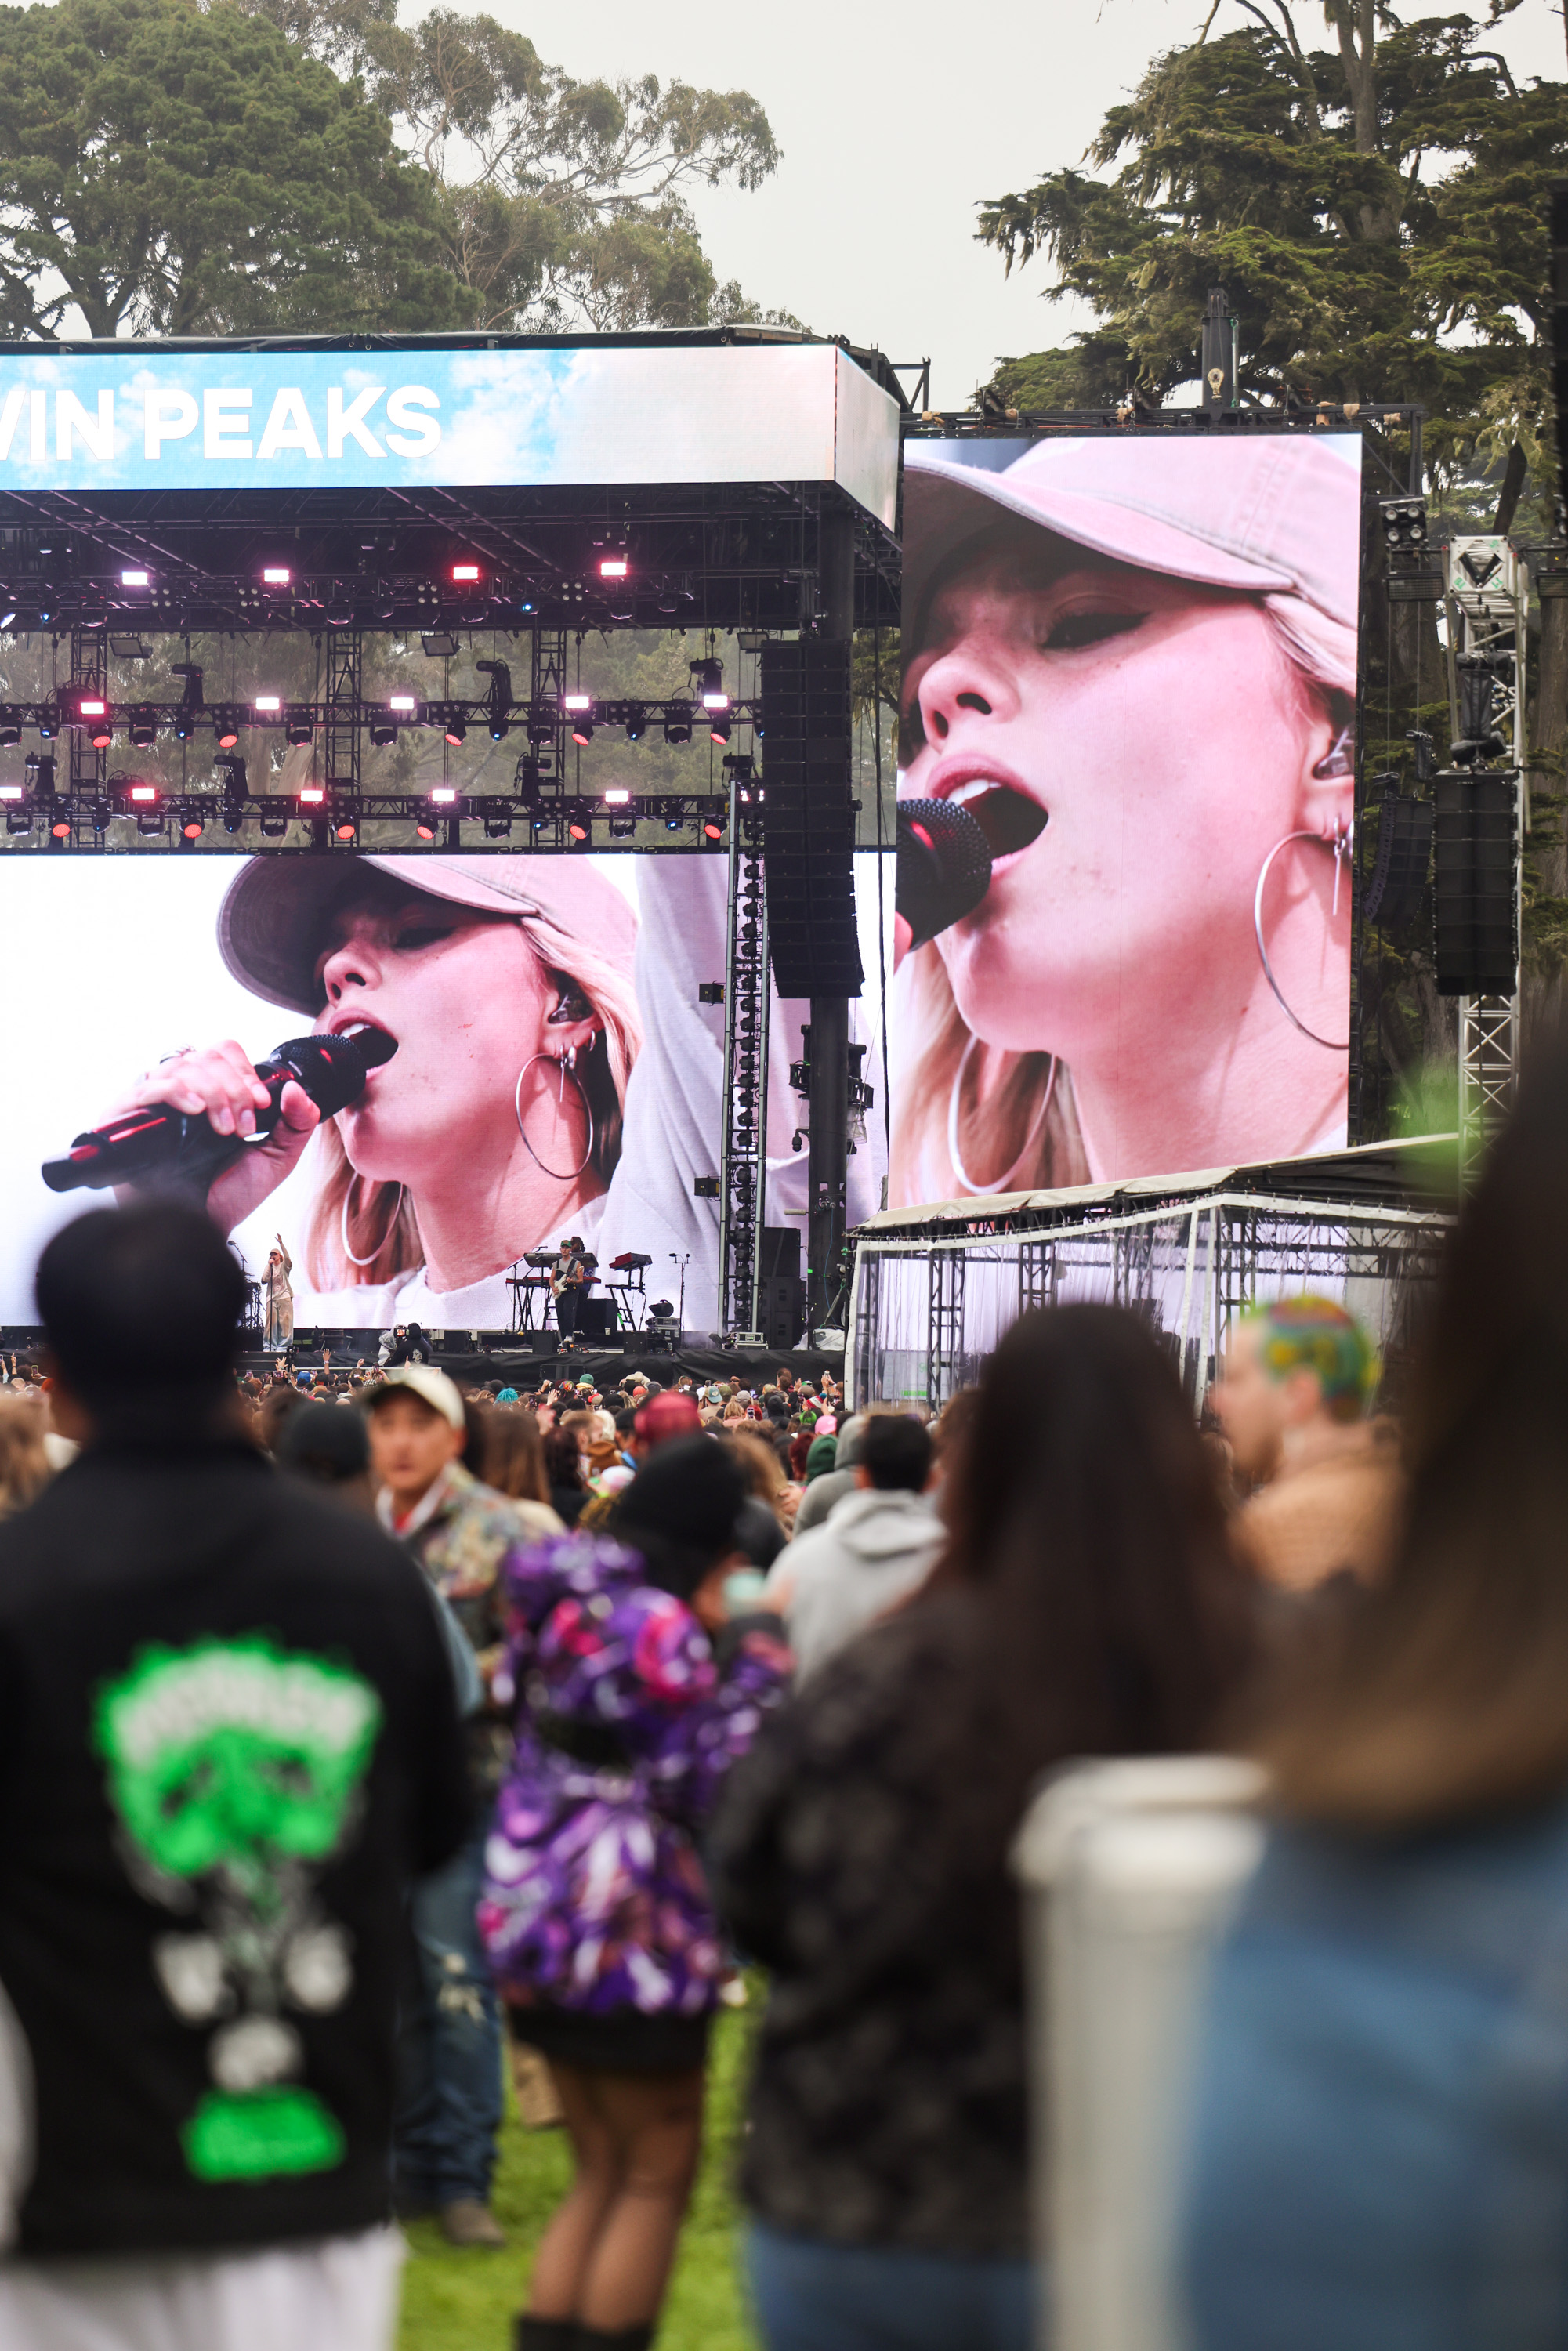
[[944, 866]]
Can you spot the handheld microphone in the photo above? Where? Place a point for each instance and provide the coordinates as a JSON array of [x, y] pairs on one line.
[[179, 1147], [944, 867]]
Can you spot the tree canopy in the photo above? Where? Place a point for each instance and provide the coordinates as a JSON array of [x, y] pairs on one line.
[[1377, 212], [174, 170], [240, 166], [566, 201]]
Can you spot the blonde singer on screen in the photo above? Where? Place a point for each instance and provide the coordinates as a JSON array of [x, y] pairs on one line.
[[1133, 662]]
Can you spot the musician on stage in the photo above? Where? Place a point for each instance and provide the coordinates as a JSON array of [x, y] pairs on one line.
[[567, 1277], [279, 1299]]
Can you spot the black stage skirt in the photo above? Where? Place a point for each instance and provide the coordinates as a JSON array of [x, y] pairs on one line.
[[612, 2040]]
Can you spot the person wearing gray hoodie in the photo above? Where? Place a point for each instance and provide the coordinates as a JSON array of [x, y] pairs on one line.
[[877, 1545]]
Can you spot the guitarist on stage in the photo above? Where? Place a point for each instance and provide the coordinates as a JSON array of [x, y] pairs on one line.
[[567, 1282]]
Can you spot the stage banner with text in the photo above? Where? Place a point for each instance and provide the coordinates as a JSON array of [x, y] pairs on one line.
[[549, 417]]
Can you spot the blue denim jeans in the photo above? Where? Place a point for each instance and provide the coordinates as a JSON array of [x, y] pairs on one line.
[[813, 2296], [449, 2044]]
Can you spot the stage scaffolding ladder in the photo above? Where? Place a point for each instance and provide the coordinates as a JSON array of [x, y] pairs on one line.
[[743, 1165], [944, 1328], [1488, 611], [344, 737]]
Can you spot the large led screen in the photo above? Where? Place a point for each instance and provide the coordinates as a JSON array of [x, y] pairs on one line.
[[1127, 778], [556, 1072]]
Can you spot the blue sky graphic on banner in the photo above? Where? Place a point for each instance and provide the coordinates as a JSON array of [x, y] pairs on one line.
[[312, 419]]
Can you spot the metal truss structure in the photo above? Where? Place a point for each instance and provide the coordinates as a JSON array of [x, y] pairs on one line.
[[1486, 604], [925, 1313], [743, 1148]]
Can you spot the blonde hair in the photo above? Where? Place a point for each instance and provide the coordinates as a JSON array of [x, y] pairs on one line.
[[23, 1457], [1319, 656], [379, 1216]]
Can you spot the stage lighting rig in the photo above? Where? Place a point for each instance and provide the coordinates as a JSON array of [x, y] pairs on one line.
[[541, 733], [578, 710], [382, 731], [346, 829], [453, 728], [142, 726], [135, 580], [440, 645], [276, 575], [636, 723], [312, 796], [274, 827], [466, 575], [191, 831], [298, 725], [678, 718], [39, 774], [525, 783], [579, 823], [497, 816], [269, 706], [500, 678], [225, 726], [10, 725], [128, 649]]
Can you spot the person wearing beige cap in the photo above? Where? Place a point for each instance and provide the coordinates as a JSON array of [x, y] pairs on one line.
[[1134, 661]]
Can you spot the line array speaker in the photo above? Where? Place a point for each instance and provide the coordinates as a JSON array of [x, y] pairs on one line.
[[1476, 917], [809, 831]]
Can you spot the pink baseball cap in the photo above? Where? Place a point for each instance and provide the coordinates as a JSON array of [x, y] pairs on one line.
[[1270, 513], [272, 922]]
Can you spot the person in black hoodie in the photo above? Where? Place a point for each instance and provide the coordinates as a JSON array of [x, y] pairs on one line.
[[228, 1740]]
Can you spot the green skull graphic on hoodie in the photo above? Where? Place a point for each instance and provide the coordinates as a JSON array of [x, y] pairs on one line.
[[235, 1769]]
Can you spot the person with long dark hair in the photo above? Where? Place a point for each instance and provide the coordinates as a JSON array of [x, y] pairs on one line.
[[1381, 2150], [1087, 1604]]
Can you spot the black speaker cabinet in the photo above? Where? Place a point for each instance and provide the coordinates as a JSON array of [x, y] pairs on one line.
[[808, 828]]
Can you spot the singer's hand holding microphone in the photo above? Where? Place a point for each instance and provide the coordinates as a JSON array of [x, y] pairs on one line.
[[215, 1122]]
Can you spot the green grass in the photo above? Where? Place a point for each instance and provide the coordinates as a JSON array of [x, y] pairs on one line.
[[464, 2301]]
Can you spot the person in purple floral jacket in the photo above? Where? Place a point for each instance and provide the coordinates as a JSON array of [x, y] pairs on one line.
[[596, 1912]]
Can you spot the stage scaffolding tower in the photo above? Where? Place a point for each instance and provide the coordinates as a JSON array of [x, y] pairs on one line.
[[1487, 607], [743, 1163], [343, 735]]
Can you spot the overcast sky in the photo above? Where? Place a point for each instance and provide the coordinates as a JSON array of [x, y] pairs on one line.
[[895, 124]]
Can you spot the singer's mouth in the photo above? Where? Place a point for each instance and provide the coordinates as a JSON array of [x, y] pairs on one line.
[[1009, 819], [355, 1028]]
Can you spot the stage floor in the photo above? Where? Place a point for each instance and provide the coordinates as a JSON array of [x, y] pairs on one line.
[[607, 1368]]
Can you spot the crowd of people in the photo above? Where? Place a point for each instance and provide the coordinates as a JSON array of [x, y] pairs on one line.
[[673, 1682]]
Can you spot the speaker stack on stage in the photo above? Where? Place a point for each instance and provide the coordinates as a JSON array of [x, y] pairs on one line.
[[808, 828]]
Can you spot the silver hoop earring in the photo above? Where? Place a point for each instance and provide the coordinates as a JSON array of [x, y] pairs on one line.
[[566, 1062], [962, 1172], [1341, 841], [386, 1236]]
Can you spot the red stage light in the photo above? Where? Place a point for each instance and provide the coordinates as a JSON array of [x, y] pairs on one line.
[[425, 829], [466, 571], [62, 831], [192, 831], [577, 829], [712, 830], [144, 794], [346, 831]]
